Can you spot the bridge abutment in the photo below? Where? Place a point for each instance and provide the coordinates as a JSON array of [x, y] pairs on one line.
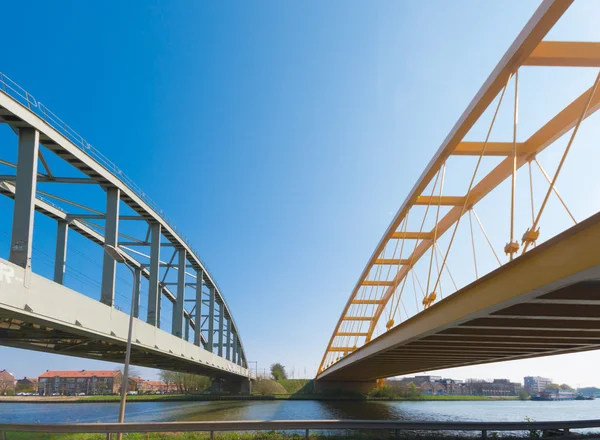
[[333, 386], [231, 386]]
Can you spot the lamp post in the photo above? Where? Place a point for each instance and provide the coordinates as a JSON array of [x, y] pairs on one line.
[[255, 367], [120, 258]]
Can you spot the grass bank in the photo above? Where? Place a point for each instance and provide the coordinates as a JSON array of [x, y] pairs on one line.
[[264, 436]]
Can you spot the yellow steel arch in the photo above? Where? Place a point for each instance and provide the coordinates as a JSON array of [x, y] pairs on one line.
[[374, 295]]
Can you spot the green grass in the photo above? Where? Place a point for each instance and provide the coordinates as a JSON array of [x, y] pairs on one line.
[[294, 386], [384, 434], [270, 435]]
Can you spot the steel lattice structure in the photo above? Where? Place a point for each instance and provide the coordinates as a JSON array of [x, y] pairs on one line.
[[215, 347], [381, 288]]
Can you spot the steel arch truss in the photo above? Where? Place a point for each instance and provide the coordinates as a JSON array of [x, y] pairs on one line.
[[154, 253], [378, 295]]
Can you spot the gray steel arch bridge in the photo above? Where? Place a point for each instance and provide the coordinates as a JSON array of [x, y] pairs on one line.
[[42, 314]]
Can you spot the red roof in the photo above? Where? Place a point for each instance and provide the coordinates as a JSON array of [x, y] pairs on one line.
[[5, 376], [81, 373]]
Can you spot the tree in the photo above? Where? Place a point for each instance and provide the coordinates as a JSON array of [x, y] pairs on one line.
[[133, 372], [565, 387], [6, 386], [523, 394], [413, 392], [552, 386], [278, 371], [185, 382]]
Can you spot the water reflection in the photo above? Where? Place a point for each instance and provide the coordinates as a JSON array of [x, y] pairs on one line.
[[300, 410]]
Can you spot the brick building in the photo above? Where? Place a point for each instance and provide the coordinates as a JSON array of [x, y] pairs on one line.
[[7, 382], [147, 386], [28, 384], [77, 382]]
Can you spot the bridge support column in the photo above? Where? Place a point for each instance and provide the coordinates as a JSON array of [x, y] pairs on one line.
[[24, 206], [111, 237], [240, 385], [234, 347], [211, 319], [136, 292], [178, 306], [228, 350], [326, 386], [198, 329], [187, 329], [221, 329], [60, 259], [158, 308], [154, 269]]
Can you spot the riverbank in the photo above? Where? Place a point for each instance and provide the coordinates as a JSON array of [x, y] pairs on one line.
[[216, 397], [376, 435]]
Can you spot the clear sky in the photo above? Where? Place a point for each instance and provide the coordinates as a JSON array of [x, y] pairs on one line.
[[281, 137]]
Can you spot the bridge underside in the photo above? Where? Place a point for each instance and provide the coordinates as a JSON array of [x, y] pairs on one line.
[[38, 314], [546, 302]]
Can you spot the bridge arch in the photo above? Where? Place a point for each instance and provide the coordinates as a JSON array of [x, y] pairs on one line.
[[214, 346], [424, 230]]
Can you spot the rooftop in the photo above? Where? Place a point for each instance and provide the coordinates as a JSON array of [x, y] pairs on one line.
[[81, 373]]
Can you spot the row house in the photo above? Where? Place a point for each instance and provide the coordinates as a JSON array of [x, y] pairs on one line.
[[7, 382], [78, 382], [147, 386], [28, 384]]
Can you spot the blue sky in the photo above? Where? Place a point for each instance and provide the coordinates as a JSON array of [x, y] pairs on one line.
[[281, 137]]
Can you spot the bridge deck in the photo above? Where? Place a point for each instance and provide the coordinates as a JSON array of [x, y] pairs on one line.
[[39, 314], [543, 303]]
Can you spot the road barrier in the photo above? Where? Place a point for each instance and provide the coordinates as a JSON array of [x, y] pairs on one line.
[[296, 425]]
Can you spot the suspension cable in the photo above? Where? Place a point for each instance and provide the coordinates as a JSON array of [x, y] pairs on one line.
[[531, 192], [487, 138], [555, 189], [437, 247], [486, 236], [473, 244], [435, 230], [512, 246], [564, 157]]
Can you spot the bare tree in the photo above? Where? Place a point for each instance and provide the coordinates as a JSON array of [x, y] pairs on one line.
[[5, 386], [185, 382]]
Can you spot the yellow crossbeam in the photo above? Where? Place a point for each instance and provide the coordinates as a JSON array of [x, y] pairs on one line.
[[491, 149], [357, 318], [565, 54], [377, 283], [437, 200], [351, 334], [413, 235], [367, 301], [391, 261]]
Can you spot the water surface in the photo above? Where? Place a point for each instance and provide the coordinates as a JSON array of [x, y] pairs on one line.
[[510, 411]]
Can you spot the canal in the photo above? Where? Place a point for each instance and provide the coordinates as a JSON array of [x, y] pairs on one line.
[[300, 410]]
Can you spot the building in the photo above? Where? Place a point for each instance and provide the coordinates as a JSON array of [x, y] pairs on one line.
[[28, 384], [536, 384], [147, 386], [7, 382], [77, 382], [497, 387]]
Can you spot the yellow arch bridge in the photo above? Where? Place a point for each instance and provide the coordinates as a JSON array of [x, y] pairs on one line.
[[534, 293]]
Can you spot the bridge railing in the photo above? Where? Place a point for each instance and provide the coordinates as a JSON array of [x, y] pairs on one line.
[[19, 94], [306, 426]]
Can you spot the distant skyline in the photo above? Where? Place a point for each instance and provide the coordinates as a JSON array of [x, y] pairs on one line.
[[281, 139]]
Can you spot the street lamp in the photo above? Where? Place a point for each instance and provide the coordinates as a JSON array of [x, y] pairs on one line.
[[255, 366], [118, 256]]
